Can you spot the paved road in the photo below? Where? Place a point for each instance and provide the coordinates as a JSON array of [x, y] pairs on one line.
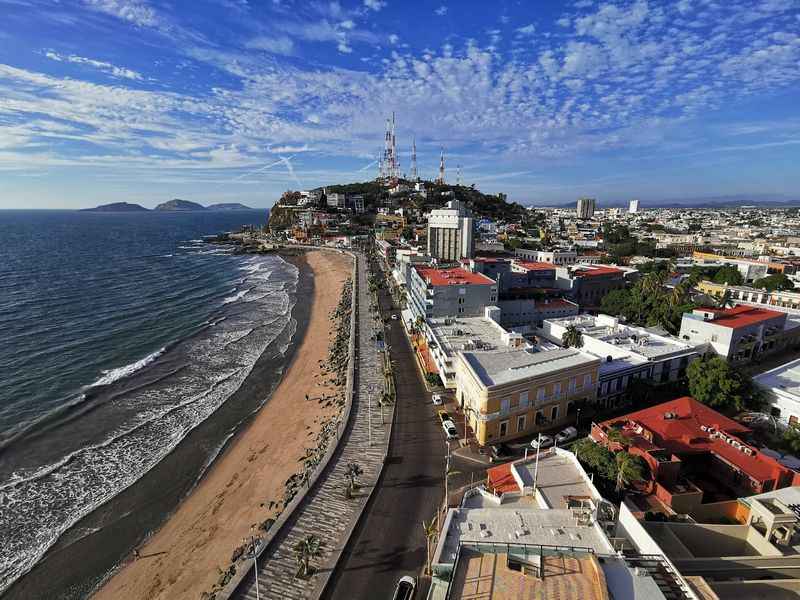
[[389, 543]]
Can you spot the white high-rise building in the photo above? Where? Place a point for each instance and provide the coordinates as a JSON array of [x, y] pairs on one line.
[[633, 207], [450, 233], [586, 207]]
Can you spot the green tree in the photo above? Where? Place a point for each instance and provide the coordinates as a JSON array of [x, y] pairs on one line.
[[729, 275], [353, 472], [572, 338], [771, 283], [597, 457], [630, 469], [714, 382], [304, 550], [791, 439], [430, 531]]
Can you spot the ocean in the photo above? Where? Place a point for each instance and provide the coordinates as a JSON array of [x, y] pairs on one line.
[[126, 341]]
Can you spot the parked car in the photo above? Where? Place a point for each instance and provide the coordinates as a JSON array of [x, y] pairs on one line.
[[539, 443], [437, 399], [500, 452], [443, 416], [450, 430], [405, 588], [567, 435]]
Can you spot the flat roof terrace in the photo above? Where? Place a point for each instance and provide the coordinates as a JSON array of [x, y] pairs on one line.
[[499, 368], [471, 333]]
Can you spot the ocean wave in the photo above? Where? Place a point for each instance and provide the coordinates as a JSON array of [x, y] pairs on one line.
[[237, 296], [113, 375]]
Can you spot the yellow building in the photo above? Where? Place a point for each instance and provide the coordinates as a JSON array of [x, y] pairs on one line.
[[513, 393]]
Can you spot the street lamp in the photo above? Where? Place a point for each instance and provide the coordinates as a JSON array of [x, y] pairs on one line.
[[255, 544]]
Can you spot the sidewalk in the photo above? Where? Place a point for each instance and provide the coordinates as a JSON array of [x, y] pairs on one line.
[[325, 512]]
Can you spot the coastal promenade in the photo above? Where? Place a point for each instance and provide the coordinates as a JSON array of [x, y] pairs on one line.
[[325, 511]]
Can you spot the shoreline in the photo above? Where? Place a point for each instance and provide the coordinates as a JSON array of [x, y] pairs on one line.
[[185, 555]]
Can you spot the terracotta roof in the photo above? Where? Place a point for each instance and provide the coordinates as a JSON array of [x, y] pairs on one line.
[[534, 266], [555, 303], [452, 276], [501, 480], [595, 271], [683, 434], [742, 315]]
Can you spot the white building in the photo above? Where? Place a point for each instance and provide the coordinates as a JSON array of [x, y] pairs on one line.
[[627, 353], [782, 385], [737, 334], [336, 199], [633, 207], [450, 233]]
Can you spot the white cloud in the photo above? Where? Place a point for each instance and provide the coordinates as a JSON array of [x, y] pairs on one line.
[[393, 38], [441, 11], [133, 11], [276, 45], [97, 64], [375, 5], [527, 29]]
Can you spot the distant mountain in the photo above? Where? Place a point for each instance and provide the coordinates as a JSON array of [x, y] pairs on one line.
[[229, 206], [180, 205], [117, 207]]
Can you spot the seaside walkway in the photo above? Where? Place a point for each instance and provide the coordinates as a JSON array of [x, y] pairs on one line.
[[325, 512]]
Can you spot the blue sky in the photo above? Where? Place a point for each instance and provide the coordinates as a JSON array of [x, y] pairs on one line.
[[238, 100]]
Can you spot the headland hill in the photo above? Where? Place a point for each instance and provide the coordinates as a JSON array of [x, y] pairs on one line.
[[174, 205]]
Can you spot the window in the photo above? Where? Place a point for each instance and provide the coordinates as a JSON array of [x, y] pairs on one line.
[[540, 394], [554, 413], [587, 380], [521, 424], [462, 291], [572, 384], [539, 417], [523, 398], [503, 428], [461, 310], [505, 404], [461, 300], [557, 389]]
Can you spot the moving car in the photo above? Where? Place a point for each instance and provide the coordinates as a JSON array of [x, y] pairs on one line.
[[404, 590], [450, 430], [567, 435], [395, 317], [437, 399], [539, 443]]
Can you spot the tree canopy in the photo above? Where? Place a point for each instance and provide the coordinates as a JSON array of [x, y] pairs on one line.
[[714, 382], [729, 275], [771, 283]]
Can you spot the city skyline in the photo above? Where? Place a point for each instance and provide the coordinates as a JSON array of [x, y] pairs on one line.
[[128, 100]]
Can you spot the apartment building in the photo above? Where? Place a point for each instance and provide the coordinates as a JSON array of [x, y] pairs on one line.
[[450, 233], [448, 292]]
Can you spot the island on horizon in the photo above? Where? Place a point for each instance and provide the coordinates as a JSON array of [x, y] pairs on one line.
[[175, 205]]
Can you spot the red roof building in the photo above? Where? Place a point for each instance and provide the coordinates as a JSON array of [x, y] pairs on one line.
[[741, 316], [452, 276], [695, 454]]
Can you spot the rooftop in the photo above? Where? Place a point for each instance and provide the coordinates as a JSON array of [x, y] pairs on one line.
[[784, 380], [686, 426], [467, 333], [595, 271], [452, 276], [534, 266], [739, 316], [498, 368]]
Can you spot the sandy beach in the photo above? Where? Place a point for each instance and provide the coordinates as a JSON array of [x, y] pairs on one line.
[[184, 557]]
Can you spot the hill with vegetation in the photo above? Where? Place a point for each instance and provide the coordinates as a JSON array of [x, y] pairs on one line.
[[117, 207], [229, 206], [180, 205]]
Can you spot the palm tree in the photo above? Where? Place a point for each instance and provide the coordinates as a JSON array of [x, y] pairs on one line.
[[615, 435], [430, 537], [305, 550], [630, 468], [572, 337], [353, 472], [677, 295]]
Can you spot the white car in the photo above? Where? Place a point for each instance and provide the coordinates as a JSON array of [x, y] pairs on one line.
[[405, 588], [567, 435], [437, 399], [450, 430], [539, 443], [395, 317]]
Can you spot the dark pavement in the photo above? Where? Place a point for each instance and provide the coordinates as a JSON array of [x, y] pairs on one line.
[[389, 542]]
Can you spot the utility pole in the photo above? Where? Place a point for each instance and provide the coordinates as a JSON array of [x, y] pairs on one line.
[[536, 466], [254, 551], [414, 159]]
